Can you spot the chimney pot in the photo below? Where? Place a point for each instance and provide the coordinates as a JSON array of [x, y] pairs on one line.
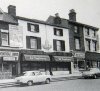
[[12, 10], [72, 15]]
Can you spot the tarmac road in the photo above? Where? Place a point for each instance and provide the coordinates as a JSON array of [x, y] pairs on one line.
[[67, 85]]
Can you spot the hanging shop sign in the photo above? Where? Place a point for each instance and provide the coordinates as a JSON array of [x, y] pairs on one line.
[[36, 58], [16, 35], [63, 58], [9, 55]]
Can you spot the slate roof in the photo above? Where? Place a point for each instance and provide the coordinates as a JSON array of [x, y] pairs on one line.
[[8, 18], [64, 22]]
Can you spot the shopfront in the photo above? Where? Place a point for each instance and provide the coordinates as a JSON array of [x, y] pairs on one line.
[[8, 64], [79, 60], [35, 62], [93, 59], [61, 65]]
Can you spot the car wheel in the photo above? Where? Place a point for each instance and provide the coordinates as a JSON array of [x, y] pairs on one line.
[[30, 83], [94, 76], [47, 81]]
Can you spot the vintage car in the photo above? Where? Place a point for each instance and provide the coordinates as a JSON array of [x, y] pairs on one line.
[[30, 77], [91, 72]]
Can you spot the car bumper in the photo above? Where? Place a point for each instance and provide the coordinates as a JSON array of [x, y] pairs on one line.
[[86, 76]]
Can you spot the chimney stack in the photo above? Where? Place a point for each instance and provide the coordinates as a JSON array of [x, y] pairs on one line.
[[12, 10], [72, 15]]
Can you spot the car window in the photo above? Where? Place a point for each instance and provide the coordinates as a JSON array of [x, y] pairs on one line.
[[38, 73], [33, 74]]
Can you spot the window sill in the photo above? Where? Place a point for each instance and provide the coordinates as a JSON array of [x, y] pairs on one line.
[[33, 31]]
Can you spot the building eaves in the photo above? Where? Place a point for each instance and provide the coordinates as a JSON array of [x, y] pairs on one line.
[[84, 25], [41, 22]]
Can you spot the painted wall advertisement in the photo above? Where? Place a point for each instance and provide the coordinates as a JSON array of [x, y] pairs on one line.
[[16, 35]]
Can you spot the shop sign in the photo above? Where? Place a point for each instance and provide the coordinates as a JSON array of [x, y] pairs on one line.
[[9, 58], [63, 58], [16, 35], [9, 55], [36, 58], [79, 55]]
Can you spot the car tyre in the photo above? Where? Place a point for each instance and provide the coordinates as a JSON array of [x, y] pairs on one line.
[[47, 81], [30, 83], [94, 76]]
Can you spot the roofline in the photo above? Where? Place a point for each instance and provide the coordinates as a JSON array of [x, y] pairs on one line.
[[8, 22], [85, 25], [38, 21]]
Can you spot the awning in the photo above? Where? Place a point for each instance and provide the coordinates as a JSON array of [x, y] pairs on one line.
[[63, 59], [36, 58], [92, 56]]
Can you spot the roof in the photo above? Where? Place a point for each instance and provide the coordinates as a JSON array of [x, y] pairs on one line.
[[31, 20], [8, 18], [64, 22], [49, 21]]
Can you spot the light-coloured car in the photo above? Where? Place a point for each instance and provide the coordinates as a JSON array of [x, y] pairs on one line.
[[30, 77], [91, 72]]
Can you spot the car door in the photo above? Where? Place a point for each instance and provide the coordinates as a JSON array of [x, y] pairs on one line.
[[40, 77], [33, 77]]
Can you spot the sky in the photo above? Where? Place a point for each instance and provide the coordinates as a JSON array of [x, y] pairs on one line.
[[88, 11]]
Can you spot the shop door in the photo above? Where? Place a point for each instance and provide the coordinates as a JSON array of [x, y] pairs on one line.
[[14, 72]]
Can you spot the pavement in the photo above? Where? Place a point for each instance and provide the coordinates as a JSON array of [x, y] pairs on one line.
[[10, 82]]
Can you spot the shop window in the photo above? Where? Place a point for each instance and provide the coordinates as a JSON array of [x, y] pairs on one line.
[[58, 32], [33, 27], [4, 39], [33, 42], [77, 43], [59, 45]]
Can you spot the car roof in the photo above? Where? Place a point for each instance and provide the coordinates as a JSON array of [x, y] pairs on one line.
[[31, 71]]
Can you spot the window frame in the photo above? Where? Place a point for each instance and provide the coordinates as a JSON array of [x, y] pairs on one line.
[[76, 29], [36, 27], [56, 30], [6, 39], [79, 46], [55, 45], [88, 46]]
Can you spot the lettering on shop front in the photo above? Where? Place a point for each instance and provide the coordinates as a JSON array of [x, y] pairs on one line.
[[8, 55], [37, 58]]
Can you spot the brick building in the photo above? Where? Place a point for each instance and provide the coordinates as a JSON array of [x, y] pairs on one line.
[[58, 45]]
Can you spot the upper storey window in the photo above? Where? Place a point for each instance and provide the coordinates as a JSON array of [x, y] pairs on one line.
[[93, 33], [75, 29], [87, 31], [58, 32], [4, 38], [33, 27]]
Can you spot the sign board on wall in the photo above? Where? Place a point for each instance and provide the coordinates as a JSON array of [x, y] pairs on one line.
[[16, 35], [37, 58], [63, 58], [79, 55], [9, 55]]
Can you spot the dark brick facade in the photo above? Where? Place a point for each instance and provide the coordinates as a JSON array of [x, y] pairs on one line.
[[73, 35]]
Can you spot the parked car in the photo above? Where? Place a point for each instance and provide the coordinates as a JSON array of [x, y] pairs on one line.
[[30, 77], [91, 72]]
